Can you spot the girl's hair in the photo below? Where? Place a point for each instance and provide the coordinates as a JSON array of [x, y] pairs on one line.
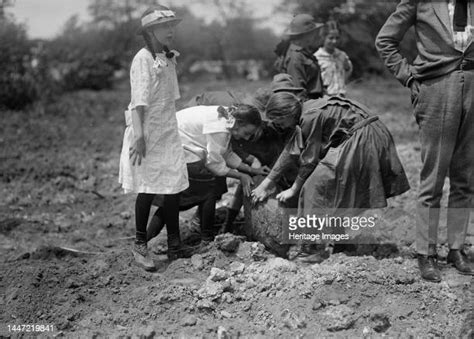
[[282, 104], [242, 113], [261, 98], [247, 115], [148, 42]]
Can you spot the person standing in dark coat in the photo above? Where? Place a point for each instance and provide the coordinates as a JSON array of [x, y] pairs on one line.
[[441, 80], [299, 61]]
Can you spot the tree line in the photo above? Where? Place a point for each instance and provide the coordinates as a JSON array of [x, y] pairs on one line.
[[89, 54]]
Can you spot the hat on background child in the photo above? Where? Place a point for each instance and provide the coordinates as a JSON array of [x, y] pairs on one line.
[[157, 15], [302, 24]]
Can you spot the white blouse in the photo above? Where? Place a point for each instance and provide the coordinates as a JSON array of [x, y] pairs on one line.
[[205, 137]]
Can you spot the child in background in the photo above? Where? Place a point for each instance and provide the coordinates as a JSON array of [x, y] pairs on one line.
[[152, 159], [335, 65], [299, 61]]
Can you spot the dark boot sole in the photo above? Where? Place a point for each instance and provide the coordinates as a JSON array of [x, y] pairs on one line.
[[460, 272], [430, 280]]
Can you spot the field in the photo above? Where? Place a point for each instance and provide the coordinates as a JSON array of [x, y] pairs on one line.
[[66, 231]]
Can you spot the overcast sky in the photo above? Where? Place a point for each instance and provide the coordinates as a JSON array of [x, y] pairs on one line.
[[45, 18]]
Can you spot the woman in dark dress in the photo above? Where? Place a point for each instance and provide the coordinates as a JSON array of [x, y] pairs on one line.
[[347, 157]]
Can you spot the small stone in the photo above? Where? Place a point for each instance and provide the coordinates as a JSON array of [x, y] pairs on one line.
[[227, 242], [24, 256], [70, 283], [227, 286], [328, 279], [125, 215], [197, 261], [227, 297], [213, 290], [236, 267], [380, 322], [205, 305], [280, 265], [292, 321], [252, 250], [217, 274], [404, 278], [209, 328], [146, 333], [354, 302], [226, 314], [190, 320], [338, 318], [247, 307], [222, 333]]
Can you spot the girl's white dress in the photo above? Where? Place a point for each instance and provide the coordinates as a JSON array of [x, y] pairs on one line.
[[154, 84]]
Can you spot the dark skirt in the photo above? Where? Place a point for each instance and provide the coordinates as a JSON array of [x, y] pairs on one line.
[[360, 173], [203, 185]]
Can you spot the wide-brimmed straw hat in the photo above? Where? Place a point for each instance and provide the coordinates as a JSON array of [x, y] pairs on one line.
[[157, 15], [302, 24], [284, 82]]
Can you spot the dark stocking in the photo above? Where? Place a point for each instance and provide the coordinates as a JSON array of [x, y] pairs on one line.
[[171, 219], [207, 215], [156, 224], [142, 212]]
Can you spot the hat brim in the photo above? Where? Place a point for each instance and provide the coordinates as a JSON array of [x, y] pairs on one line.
[[316, 26], [286, 89], [173, 20]]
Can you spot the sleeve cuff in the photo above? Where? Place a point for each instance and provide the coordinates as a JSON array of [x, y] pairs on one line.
[[138, 103]]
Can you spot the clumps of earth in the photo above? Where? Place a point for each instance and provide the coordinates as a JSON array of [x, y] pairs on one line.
[[234, 288]]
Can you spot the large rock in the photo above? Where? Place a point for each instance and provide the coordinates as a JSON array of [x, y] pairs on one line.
[[264, 223]]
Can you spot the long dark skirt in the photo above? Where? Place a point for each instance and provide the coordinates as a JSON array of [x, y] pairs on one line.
[[203, 185], [361, 173]]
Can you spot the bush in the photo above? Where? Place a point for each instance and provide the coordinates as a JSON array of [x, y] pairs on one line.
[[17, 83], [93, 71]]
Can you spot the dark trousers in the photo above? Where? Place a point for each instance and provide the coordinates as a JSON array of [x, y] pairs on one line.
[[204, 191], [444, 112]]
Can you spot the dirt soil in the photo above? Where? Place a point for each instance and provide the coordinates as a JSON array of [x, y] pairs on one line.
[[66, 232]]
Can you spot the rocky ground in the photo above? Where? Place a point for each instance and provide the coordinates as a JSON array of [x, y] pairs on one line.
[[65, 237]]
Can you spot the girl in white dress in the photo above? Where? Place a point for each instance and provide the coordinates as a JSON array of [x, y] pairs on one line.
[[152, 159], [336, 67]]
